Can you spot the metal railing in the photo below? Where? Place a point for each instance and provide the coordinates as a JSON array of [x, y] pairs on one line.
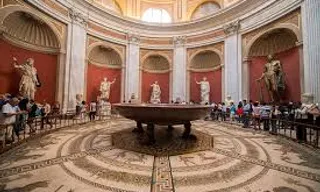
[[21, 131], [303, 131]]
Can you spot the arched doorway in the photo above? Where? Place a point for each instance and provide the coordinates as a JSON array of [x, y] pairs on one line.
[[26, 36], [155, 68], [281, 43], [104, 62], [206, 63]]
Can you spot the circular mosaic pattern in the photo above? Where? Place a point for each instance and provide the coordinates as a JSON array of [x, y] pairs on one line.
[[109, 157], [129, 155]]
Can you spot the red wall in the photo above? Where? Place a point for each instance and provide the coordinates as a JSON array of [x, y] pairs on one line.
[[45, 64], [95, 75], [148, 79], [290, 63], [214, 78]]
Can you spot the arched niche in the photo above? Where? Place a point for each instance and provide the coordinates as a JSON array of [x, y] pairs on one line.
[[282, 44], [27, 35], [155, 68], [205, 63], [104, 62]]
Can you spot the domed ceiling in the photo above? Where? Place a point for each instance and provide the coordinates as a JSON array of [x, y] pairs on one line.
[[164, 11]]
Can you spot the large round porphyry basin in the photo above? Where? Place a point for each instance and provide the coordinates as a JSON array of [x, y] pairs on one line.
[[162, 114]]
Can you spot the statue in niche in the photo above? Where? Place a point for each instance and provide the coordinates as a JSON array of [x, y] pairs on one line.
[[155, 94], [105, 88], [228, 101], [204, 90], [273, 77], [29, 79]]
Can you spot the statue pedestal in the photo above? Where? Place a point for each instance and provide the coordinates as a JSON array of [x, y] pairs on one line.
[[155, 101], [105, 110]]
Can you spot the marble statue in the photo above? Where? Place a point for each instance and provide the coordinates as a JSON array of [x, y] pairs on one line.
[[155, 94], [204, 90], [105, 88], [29, 79], [273, 77], [228, 101]]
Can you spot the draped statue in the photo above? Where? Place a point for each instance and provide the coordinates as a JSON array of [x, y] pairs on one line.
[[29, 79], [274, 80], [204, 90], [105, 88], [156, 92]]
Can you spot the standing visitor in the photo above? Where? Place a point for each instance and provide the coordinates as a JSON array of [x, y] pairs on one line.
[[256, 110], [265, 116], [246, 113], [45, 111], [93, 110], [232, 111]]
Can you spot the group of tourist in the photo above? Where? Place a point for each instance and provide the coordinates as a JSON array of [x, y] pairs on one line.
[[17, 112], [266, 116]]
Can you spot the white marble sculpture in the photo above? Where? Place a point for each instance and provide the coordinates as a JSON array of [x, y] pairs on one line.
[[105, 88], [155, 94], [228, 101], [29, 80], [204, 90]]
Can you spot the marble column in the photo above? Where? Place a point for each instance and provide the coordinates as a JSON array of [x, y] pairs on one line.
[[245, 78], [78, 35], [311, 53], [179, 73], [231, 61], [132, 80]]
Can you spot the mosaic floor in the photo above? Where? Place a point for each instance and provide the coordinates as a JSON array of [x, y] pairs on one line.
[[108, 157]]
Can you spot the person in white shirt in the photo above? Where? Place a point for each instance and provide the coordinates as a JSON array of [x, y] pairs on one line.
[[256, 110], [7, 120], [46, 110], [93, 110], [301, 116]]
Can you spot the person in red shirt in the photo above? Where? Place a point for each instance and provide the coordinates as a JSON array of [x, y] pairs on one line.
[[239, 113]]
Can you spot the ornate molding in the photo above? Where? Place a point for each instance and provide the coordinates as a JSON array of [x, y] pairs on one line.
[[78, 17], [179, 40], [231, 28], [133, 38]]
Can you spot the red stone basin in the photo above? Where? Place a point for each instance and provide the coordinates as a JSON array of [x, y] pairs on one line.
[[162, 114]]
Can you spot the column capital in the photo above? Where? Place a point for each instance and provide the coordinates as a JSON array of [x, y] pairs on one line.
[[179, 40], [78, 18], [231, 28], [133, 38]]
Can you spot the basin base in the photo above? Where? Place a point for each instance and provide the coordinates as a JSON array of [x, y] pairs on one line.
[[150, 131]]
